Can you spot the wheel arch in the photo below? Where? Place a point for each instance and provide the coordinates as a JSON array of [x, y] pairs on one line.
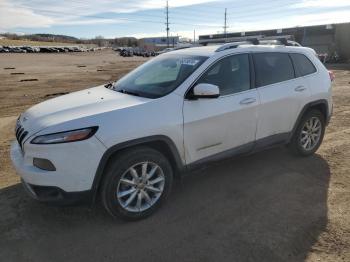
[[159, 142], [321, 105]]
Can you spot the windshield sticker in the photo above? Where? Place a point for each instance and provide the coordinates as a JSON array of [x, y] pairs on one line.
[[188, 61]]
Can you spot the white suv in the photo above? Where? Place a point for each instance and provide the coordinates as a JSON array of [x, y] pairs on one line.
[[126, 141]]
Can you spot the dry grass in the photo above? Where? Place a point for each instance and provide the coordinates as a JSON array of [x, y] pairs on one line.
[[9, 42]]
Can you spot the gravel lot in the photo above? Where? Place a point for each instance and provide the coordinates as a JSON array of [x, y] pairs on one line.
[[270, 206]]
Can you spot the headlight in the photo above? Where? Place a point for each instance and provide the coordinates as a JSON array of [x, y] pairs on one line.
[[66, 137]]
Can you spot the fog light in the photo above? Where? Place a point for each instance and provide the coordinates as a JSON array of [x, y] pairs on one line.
[[44, 164]]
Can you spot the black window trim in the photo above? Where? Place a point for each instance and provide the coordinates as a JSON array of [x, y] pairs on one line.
[[296, 53], [273, 52], [252, 72], [251, 75], [294, 69]]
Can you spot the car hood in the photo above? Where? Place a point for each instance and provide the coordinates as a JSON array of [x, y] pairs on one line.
[[77, 105]]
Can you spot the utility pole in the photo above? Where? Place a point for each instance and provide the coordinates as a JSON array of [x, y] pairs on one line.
[[194, 36], [225, 24], [167, 22]]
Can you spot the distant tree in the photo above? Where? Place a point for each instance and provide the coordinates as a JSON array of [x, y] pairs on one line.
[[100, 41], [124, 41], [129, 42]]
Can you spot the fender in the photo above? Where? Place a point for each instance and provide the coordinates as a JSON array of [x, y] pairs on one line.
[[312, 104], [124, 145]]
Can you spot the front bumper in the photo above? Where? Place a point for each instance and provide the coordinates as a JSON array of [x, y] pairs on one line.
[[76, 164], [57, 196]]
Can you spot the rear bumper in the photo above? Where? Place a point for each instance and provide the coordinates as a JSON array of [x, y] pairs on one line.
[[329, 115], [57, 196]]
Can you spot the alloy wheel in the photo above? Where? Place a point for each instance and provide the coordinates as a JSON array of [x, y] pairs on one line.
[[140, 187], [311, 133]]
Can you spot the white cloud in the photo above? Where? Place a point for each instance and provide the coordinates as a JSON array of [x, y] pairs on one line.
[[152, 4], [16, 14], [322, 18], [321, 3], [43, 14], [133, 6], [12, 17], [326, 17], [90, 22]]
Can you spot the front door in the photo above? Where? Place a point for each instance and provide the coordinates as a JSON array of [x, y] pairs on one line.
[[216, 125]]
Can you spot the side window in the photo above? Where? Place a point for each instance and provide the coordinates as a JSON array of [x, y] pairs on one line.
[[230, 74], [303, 65], [272, 68]]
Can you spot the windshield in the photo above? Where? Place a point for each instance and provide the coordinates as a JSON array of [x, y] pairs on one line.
[[160, 76]]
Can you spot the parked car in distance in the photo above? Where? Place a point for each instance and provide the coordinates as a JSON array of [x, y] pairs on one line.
[[146, 54], [131, 51], [166, 50], [3, 49], [15, 49], [128, 52], [45, 49], [126, 141]]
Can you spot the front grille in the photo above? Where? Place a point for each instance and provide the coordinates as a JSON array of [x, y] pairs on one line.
[[20, 135]]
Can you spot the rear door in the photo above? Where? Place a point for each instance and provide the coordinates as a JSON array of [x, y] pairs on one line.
[[281, 95], [215, 125], [304, 68]]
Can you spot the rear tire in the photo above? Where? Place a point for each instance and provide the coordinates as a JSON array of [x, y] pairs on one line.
[[308, 136], [136, 183]]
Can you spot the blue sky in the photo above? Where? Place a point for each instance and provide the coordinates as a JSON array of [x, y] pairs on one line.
[[141, 18]]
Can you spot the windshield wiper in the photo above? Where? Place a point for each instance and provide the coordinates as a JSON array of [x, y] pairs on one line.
[[128, 92], [109, 85]]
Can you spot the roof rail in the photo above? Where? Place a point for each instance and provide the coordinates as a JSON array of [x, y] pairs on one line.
[[286, 40], [229, 46], [252, 41], [279, 40]]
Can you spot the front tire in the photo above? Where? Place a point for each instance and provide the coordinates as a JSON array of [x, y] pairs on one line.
[[309, 134], [136, 183]]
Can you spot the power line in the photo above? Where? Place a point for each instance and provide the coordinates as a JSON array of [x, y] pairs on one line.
[[246, 16], [118, 18], [242, 8], [153, 21], [207, 16], [238, 8], [192, 19], [260, 12], [175, 10]]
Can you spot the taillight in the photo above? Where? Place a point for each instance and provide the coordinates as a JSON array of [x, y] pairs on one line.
[[331, 75]]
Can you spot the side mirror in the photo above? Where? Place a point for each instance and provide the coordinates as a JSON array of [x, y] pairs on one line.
[[205, 91]]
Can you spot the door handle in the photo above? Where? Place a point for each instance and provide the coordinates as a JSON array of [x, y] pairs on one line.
[[247, 101], [300, 88]]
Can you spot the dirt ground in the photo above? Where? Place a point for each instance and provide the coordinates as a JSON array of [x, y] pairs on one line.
[[270, 206]]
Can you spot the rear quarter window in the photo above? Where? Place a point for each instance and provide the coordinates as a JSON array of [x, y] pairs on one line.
[[303, 65], [271, 68]]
